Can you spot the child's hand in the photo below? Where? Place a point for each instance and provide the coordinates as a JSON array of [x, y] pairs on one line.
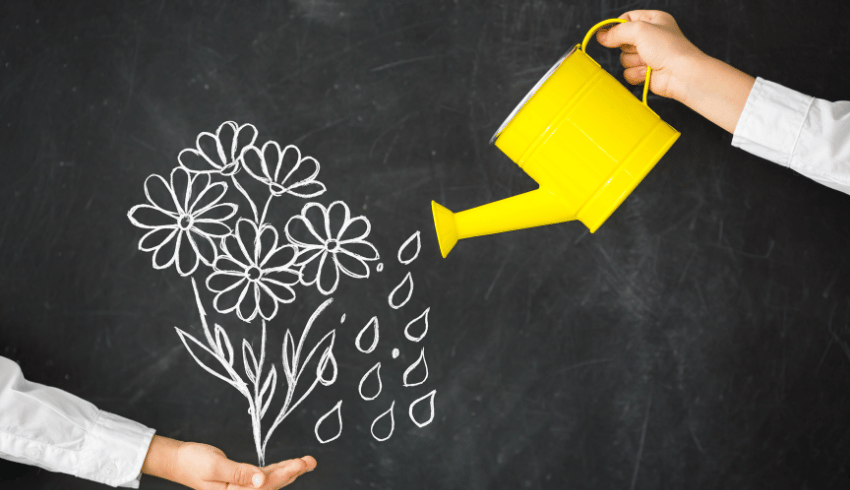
[[652, 37], [679, 69], [204, 467]]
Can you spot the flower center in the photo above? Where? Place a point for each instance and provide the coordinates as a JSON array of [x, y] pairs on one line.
[[332, 245], [253, 273], [185, 222]]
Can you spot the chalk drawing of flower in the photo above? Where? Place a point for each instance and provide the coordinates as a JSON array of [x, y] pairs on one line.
[[219, 152], [253, 274], [184, 215], [292, 173], [330, 241]]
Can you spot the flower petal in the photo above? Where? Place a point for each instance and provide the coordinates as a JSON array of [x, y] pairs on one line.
[[222, 281], [206, 196], [196, 161], [288, 277], [151, 217], [211, 227], [266, 243], [254, 162], [306, 255], [356, 229], [218, 212], [283, 293], [187, 257], [225, 138], [273, 156], [306, 170], [352, 266], [328, 274], [246, 235], [199, 184], [310, 271], [267, 303], [204, 246], [156, 238], [336, 219], [160, 194], [300, 231], [226, 263], [181, 183], [166, 254], [280, 259], [246, 135], [307, 189], [249, 302], [231, 248], [290, 157], [360, 250], [228, 299]]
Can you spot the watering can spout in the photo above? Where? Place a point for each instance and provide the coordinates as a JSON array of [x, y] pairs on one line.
[[446, 225], [534, 208]]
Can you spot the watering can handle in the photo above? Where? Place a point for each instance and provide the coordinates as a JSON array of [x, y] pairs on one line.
[[616, 21]]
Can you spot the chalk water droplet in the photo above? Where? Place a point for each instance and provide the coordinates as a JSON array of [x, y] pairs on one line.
[[388, 413], [375, 372], [420, 323], [332, 423], [371, 328], [410, 248], [413, 367], [402, 293], [430, 399]]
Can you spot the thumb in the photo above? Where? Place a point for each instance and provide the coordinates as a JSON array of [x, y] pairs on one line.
[[620, 34], [242, 474]]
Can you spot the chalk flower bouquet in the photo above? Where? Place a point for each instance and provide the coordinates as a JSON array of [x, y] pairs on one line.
[[254, 268]]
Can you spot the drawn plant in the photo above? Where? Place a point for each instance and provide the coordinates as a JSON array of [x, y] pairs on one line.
[[252, 271], [262, 386], [254, 267]]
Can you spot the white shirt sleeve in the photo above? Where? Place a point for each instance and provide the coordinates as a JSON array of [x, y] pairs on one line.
[[809, 135], [57, 431]]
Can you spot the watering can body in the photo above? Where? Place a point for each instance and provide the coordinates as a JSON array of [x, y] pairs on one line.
[[583, 137]]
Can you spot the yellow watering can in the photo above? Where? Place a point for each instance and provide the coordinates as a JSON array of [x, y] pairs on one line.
[[583, 137]]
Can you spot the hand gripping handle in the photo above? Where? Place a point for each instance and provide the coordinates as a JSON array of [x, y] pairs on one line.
[[598, 26]]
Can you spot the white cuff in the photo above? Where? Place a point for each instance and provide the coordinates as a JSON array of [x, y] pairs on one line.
[[771, 121], [114, 451]]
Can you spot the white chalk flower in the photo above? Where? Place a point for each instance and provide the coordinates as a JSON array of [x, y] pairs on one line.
[[291, 173], [330, 241], [219, 153], [183, 216], [253, 274]]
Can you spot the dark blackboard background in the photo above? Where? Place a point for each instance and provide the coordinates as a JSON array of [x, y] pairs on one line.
[[698, 340]]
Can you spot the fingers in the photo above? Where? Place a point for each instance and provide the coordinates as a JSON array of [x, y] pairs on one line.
[[628, 48], [629, 60], [283, 473], [635, 75], [241, 474], [308, 460], [619, 35], [651, 16]]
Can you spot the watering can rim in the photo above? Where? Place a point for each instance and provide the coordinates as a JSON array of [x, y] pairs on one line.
[[533, 91]]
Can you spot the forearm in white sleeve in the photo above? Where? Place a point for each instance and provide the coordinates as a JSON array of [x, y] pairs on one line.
[[809, 135], [57, 431]]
